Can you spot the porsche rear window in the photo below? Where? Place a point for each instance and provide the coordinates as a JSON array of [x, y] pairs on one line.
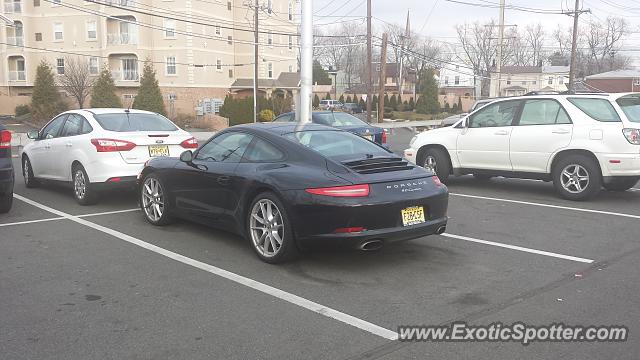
[[337, 119], [123, 122], [336, 144]]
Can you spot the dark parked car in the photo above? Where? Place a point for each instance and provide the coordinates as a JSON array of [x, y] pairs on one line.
[[342, 121], [352, 108], [285, 186], [6, 171]]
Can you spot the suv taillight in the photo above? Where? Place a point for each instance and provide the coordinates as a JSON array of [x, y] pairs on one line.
[[190, 143], [5, 139], [110, 145], [342, 191], [632, 135]]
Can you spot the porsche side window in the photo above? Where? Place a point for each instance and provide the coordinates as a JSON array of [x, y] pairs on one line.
[[262, 151], [228, 147]]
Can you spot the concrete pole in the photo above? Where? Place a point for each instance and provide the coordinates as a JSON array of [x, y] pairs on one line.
[[256, 39], [306, 62], [500, 45], [572, 68]]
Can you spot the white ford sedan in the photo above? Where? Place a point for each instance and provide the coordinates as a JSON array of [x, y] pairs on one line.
[[99, 149]]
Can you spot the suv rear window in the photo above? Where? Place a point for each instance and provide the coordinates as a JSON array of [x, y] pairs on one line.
[[630, 105], [337, 144], [597, 109], [124, 122]]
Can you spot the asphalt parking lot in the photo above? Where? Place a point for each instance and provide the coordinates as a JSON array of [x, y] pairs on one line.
[[100, 283]]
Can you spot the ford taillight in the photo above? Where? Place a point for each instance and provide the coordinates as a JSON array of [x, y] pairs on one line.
[[110, 145], [361, 190], [190, 143]]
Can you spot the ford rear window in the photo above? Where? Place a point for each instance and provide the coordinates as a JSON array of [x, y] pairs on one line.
[[125, 122]]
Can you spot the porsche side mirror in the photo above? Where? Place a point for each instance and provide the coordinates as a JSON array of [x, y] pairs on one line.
[[34, 135], [186, 157]]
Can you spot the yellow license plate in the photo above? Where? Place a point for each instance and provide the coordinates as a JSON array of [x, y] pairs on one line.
[[158, 150], [413, 215]]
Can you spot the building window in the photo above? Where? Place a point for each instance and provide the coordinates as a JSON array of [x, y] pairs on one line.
[[94, 66], [270, 39], [270, 71], [290, 42], [129, 69], [172, 97], [290, 11], [171, 65], [636, 82], [508, 82], [550, 80], [457, 80], [36, 3], [230, 73], [290, 68], [524, 83], [561, 80], [218, 30], [60, 66], [229, 5], [169, 28], [230, 40], [446, 80], [58, 32], [38, 36], [92, 32], [219, 65], [534, 82]]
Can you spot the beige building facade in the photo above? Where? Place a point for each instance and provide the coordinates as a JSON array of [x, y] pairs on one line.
[[199, 48]]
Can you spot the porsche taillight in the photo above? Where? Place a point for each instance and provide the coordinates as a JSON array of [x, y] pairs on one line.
[[5, 139], [110, 145], [361, 190]]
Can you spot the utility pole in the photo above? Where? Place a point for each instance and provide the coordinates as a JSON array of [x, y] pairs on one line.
[[574, 44], [369, 59], [383, 75], [306, 61], [407, 35], [500, 45], [256, 38]]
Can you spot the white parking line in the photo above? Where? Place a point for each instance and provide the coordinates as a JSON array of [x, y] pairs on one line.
[[264, 288], [63, 218], [549, 206], [519, 248]]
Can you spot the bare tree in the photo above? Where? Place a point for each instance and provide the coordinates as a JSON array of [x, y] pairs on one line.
[[534, 38], [563, 39], [478, 49], [603, 40], [77, 79]]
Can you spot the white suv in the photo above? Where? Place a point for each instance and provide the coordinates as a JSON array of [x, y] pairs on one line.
[[100, 149], [580, 142]]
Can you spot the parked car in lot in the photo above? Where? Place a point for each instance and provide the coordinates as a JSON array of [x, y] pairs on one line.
[[100, 149], [480, 103], [6, 171], [580, 142], [330, 105], [352, 108], [342, 121], [284, 186]]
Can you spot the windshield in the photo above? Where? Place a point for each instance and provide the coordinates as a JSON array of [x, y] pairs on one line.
[[336, 119], [124, 122], [337, 144], [630, 105]]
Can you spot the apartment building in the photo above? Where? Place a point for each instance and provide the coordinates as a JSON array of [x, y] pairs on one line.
[[199, 48], [519, 80]]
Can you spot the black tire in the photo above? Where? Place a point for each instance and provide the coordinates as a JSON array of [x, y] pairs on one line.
[[288, 249], [83, 191], [27, 173], [157, 196], [585, 166], [6, 200], [621, 184], [442, 164], [482, 177]]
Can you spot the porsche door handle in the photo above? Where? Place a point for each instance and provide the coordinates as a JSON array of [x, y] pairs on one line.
[[224, 180]]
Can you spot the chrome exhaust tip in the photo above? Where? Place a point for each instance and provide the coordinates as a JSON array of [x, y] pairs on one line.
[[441, 229], [371, 245]]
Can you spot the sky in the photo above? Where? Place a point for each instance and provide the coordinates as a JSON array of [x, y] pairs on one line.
[[437, 18]]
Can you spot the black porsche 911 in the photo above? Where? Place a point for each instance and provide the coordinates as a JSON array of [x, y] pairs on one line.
[[286, 186]]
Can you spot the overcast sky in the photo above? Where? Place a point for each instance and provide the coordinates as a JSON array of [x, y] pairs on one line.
[[437, 18]]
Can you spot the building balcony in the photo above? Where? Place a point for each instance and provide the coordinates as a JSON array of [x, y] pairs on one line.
[[15, 75], [12, 7], [125, 75], [122, 39], [15, 40]]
